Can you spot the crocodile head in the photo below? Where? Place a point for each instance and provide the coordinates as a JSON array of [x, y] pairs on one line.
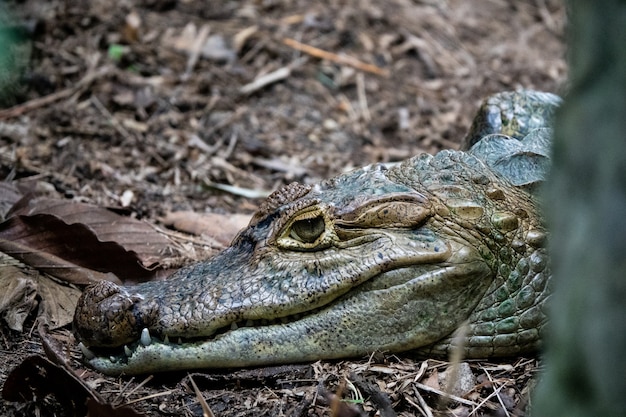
[[363, 262], [377, 259]]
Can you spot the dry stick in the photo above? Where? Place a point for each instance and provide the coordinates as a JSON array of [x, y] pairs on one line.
[[444, 394], [38, 102], [340, 59], [456, 356], [497, 392], [147, 397], [494, 393], [422, 406], [116, 123], [267, 79], [144, 382], [206, 410], [365, 112], [271, 77]]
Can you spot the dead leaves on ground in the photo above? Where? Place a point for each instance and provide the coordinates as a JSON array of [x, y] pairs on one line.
[[37, 377], [204, 224], [60, 244], [53, 246], [49, 248], [18, 298]]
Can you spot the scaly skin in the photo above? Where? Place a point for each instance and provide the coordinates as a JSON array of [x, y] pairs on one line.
[[387, 259]]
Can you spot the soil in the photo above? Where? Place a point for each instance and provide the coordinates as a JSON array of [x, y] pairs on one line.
[[151, 106]]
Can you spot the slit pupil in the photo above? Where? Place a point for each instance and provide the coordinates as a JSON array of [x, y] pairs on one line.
[[308, 230]]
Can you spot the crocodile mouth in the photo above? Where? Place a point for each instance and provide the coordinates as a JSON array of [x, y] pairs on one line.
[[121, 354], [134, 357], [323, 312]]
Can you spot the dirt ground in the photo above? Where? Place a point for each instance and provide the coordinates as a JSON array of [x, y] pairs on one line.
[[155, 106]]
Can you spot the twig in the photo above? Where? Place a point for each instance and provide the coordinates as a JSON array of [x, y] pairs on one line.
[[267, 79], [138, 386], [240, 191], [422, 406], [206, 410], [444, 394], [497, 392], [483, 402], [38, 102], [271, 78], [105, 112], [340, 59], [365, 111], [147, 397]]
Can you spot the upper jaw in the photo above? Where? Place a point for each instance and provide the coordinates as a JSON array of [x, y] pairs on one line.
[[283, 340], [327, 276]]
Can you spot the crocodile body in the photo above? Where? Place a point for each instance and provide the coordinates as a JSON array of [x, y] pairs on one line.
[[381, 258]]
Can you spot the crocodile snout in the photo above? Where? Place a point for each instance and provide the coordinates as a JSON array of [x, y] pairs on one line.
[[108, 315]]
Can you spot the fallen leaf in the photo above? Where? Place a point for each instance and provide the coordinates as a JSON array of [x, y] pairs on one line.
[[220, 227], [36, 378], [433, 380], [69, 252], [58, 302], [82, 243], [18, 295], [132, 234], [9, 195], [132, 27], [21, 287]]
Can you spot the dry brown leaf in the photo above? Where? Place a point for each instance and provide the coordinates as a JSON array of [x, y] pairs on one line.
[[69, 252], [18, 295], [432, 380], [58, 302], [9, 195], [82, 243], [132, 234], [219, 227], [18, 299]]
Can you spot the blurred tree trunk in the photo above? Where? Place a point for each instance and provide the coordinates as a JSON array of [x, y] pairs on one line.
[[586, 206]]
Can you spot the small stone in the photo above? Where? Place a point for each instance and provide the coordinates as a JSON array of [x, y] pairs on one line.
[[330, 124], [463, 379]]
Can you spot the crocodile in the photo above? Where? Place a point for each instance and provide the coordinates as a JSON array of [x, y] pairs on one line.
[[432, 254]]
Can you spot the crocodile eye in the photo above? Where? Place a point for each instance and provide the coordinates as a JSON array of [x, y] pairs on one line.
[[308, 230]]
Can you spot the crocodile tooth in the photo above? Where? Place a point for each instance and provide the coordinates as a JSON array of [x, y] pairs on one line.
[[249, 323], [145, 338], [233, 326], [166, 340], [180, 341], [127, 351], [87, 353]]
